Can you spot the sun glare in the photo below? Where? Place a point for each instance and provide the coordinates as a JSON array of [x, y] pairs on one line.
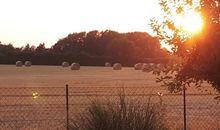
[[189, 22]]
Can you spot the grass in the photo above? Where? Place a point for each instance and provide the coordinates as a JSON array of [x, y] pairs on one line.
[[121, 115], [202, 112]]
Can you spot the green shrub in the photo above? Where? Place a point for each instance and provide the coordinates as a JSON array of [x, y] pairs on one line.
[[121, 116]]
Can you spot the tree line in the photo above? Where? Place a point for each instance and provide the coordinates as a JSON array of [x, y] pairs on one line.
[[90, 48]]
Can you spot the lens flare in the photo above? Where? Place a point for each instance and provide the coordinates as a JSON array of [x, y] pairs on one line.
[[35, 95]]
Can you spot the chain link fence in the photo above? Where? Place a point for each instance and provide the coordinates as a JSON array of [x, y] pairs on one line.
[[51, 108], [32, 108]]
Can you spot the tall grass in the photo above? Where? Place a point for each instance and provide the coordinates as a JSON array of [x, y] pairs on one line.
[[122, 115]]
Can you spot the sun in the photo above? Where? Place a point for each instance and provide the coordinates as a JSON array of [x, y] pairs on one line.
[[190, 22]]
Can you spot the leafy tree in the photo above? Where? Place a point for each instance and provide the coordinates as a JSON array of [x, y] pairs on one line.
[[145, 45], [6, 49], [41, 48], [91, 42], [28, 49], [92, 48], [105, 39], [199, 52], [71, 44], [120, 48]]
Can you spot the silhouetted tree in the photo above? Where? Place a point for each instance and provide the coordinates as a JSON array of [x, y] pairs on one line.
[[120, 48], [91, 41], [92, 48], [6, 49], [200, 53], [41, 49]]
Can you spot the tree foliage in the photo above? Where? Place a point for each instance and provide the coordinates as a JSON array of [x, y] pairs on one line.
[[199, 52], [89, 48]]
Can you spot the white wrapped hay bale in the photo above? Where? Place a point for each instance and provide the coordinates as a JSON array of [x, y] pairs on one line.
[[27, 63], [65, 64], [18, 63], [75, 66], [107, 64], [138, 66], [117, 66]]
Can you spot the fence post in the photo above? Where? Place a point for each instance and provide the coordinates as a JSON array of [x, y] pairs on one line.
[[184, 106], [67, 107]]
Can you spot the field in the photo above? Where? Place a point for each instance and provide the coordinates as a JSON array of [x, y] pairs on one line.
[[56, 76], [18, 83]]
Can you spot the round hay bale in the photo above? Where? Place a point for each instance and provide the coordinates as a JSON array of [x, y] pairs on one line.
[[107, 64], [18, 63], [176, 67], [152, 65], [168, 66], [144, 64], [27, 63], [117, 66], [146, 68], [65, 64], [157, 71], [75, 66], [138, 66], [158, 65]]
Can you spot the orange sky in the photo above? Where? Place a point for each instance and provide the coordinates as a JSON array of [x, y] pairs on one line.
[[38, 21]]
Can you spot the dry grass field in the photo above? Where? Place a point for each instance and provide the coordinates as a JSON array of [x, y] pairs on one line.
[[18, 83], [56, 76]]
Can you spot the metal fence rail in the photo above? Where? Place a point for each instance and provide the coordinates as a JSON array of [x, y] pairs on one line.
[[45, 108]]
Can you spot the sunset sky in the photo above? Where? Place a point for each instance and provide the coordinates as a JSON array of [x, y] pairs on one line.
[[46, 21]]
